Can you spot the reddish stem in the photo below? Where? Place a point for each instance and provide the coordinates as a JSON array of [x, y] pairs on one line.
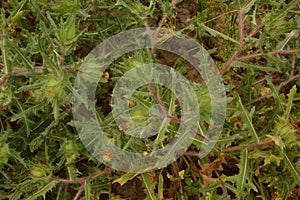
[[62, 56], [227, 65], [179, 121], [3, 79], [158, 100], [233, 57], [164, 18], [89, 8], [256, 30], [271, 53], [293, 66], [241, 37], [79, 191], [80, 180]]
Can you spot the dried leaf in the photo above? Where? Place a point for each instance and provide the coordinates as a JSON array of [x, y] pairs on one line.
[[208, 168], [207, 180]]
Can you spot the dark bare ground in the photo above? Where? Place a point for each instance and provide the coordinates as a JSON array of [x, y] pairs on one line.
[[132, 190]]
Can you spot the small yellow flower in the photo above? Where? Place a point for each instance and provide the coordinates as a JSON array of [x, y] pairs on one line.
[[145, 153], [107, 157], [131, 102], [106, 75]]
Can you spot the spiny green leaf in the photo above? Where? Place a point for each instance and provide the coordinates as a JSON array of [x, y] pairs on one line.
[[242, 176], [87, 190], [16, 12], [247, 8], [161, 136], [160, 187], [24, 113], [67, 30], [60, 6], [227, 140], [17, 50], [36, 143], [25, 118], [292, 169], [210, 188], [41, 16], [126, 177], [42, 191], [243, 180], [16, 195], [275, 92], [149, 187], [175, 146], [277, 16], [247, 118], [283, 43], [251, 66], [217, 33], [13, 153], [290, 102], [4, 154]]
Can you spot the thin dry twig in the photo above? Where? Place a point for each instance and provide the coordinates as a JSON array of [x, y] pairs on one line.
[[175, 170], [219, 16], [161, 23], [262, 145], [83, 179], [259, 81]]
